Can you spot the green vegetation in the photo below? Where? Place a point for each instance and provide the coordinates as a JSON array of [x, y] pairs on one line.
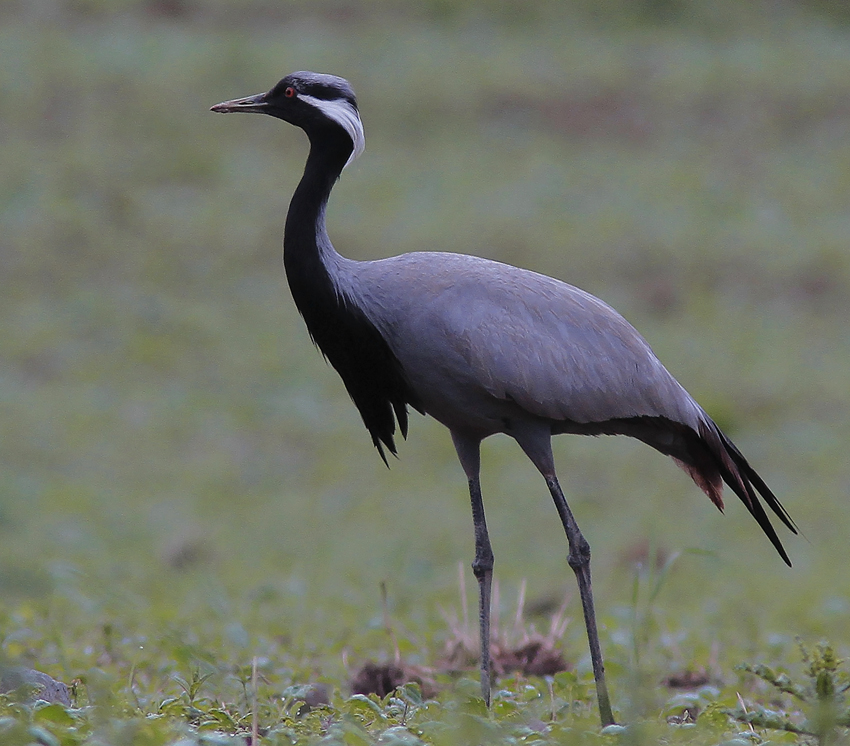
[[823, 697], [194, 527]]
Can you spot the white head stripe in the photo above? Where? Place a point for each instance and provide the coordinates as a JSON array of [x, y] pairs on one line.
[[345, 115]]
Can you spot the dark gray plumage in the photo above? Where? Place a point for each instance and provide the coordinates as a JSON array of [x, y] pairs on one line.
[[484, 348]]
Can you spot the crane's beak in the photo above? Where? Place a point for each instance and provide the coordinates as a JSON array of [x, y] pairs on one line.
[[251, 104]]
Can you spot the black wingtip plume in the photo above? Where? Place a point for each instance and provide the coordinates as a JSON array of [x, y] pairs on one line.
[[756, 481], [747, 485], [390, 445]]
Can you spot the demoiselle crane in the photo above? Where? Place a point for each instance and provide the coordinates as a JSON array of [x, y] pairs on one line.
[[484, 348]]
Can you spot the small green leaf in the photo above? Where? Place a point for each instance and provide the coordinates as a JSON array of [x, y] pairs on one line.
[[411, 693], [43, 737], [53, 713], [361, 706], [398, 736], [613, 730]]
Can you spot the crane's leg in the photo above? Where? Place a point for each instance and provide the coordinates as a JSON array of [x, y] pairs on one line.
[[579, 560], [468, 451], [535, 439]]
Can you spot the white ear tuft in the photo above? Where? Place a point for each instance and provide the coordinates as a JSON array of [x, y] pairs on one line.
[[345, 115]]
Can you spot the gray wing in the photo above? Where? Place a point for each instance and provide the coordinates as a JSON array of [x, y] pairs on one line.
[[556, 351], [470, 331]]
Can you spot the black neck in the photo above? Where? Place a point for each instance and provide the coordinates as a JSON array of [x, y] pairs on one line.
[[305, 237], [317, 278]]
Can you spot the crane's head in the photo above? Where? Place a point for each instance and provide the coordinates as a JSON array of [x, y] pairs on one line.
[[313, 101]]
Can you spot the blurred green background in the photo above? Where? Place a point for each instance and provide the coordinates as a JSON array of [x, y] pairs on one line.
[[177, 459]]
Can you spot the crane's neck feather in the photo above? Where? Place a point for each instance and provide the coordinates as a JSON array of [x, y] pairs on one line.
[[345, 114], [308, 251], [322, 282]]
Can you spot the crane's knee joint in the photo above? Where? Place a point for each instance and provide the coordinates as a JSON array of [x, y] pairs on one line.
[[579, 556], [481, 566]]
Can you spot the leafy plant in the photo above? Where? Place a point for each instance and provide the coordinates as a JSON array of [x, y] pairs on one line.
[[822, 696]]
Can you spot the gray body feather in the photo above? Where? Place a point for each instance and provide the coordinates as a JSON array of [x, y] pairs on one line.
[[486, 344]]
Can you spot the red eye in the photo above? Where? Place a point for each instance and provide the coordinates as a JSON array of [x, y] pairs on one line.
[[289, 92]]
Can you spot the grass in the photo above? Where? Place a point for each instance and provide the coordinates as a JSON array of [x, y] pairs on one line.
[[185, 488]]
